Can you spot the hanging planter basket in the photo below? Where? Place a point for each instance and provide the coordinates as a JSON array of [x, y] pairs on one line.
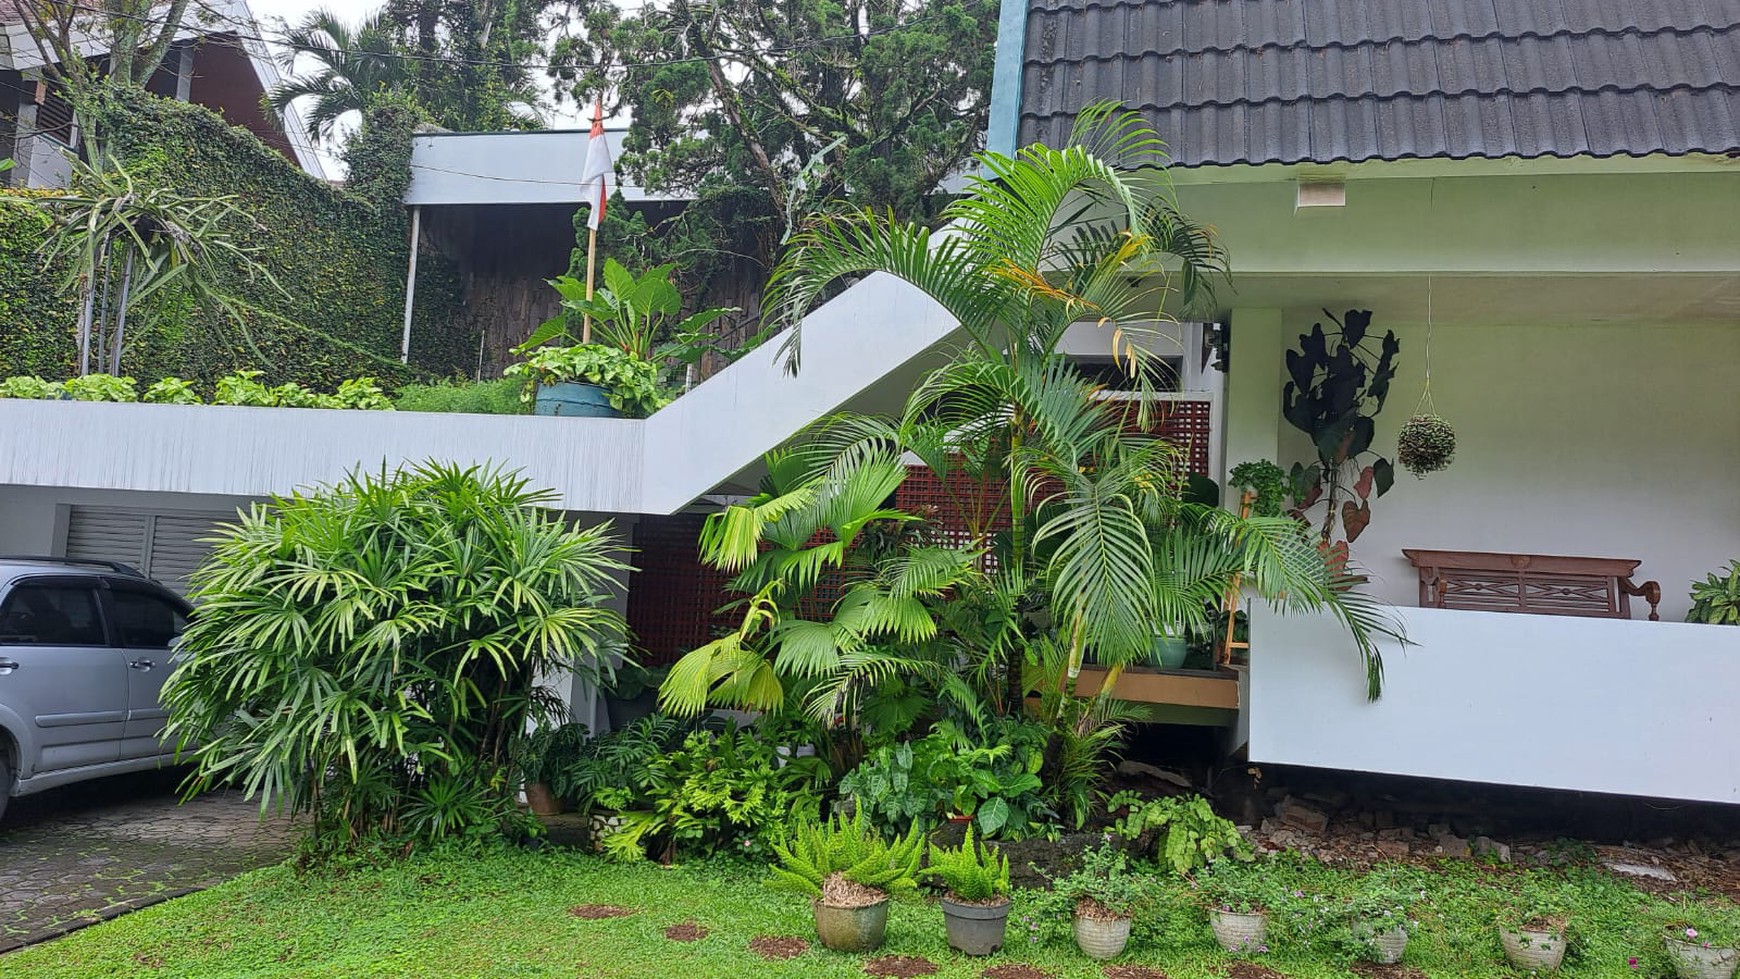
[[1426, 444]]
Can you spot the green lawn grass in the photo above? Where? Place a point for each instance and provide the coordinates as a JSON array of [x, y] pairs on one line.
[[505, 913]]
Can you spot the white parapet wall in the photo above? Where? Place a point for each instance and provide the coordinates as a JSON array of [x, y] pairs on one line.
[[1599, 705]]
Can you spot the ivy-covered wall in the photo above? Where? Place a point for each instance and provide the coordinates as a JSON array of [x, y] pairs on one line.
[[339, 256]]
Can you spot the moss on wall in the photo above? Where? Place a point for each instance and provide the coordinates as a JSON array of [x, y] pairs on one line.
[[338, 255]]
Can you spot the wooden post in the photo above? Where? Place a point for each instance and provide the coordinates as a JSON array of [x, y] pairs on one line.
[[1232, 595], [411, 283], [591, 272]]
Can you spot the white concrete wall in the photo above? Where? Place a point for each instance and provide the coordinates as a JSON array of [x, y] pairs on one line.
[[1585, 439], [593, 464], [1597, 705]]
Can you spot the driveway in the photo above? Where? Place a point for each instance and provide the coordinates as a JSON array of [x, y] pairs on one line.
[[75, 856]]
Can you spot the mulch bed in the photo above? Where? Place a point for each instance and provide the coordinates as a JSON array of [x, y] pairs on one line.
[[598, 912], [1016, 970], [686, 931], [901, 966], [1251, 970], [1374, 970], [776, 947], [1133, 972]]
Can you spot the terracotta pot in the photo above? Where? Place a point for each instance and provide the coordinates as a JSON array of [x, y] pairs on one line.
[[1101, 938], [1531, 950], [975, 929], [851, 929], [1382, 947], [1694, 961], [542, 800], [1238, 933]]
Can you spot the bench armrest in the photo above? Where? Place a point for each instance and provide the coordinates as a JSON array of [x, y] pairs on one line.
[[1649, 591]]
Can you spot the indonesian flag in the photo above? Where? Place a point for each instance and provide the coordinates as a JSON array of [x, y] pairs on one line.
[[598, 177]]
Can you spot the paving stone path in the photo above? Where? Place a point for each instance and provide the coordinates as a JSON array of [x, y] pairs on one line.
[[91, 852]]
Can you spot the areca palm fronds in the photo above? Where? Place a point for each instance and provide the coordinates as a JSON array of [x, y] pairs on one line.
[[1205, 552], [359, 647], [803, 527], [354, 65], [1043, 239]]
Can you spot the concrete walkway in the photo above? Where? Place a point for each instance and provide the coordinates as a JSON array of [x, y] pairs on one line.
[[73, 857]]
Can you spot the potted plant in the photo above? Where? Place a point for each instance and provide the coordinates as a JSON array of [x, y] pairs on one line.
[[1378, 920], [631, 693], [1716, 600], [849, 873], [1534, 932], [1102, 895], [1169, 651], [542, 755], [589, 380], [1703, 941], [975, 902], [1238, 906]]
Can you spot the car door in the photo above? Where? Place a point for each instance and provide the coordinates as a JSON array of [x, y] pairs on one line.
[[147, 623], [59, 673]]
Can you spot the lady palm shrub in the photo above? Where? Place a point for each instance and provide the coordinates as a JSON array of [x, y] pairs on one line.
[[368, 653]]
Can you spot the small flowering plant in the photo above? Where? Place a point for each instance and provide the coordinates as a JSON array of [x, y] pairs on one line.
[[1380, 905], [1103, 887], [1236, 888], [1705, 924]]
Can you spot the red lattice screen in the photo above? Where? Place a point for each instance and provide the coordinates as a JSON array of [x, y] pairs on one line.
[[673, 596]]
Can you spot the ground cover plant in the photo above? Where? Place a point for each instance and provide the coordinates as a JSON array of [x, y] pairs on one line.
[[503, 911]]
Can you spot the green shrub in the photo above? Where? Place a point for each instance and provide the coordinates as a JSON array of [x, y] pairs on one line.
[[172, 391], [1716, 599], [1191, 834], [1103, 879], [499, 397], [31, 389], [101, 387], [369, 652]]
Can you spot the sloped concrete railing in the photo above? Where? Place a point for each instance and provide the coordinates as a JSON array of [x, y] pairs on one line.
[[598, 465]]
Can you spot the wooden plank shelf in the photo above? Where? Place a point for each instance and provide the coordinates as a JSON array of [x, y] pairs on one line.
[[1215, 689]]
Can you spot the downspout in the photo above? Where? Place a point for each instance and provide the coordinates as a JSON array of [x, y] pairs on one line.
[[1003, 130]]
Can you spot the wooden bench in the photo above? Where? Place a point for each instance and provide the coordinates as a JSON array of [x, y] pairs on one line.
[[1542, 584]]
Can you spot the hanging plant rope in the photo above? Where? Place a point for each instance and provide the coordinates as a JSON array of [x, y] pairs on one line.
[[1427, 443]]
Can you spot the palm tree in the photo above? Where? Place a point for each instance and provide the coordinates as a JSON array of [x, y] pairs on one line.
[[1046, 239], [353, 66]]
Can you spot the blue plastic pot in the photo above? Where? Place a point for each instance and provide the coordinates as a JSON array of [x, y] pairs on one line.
[[574, 399]]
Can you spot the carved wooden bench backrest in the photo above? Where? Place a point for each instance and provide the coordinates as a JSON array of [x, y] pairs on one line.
[[1542, 584]]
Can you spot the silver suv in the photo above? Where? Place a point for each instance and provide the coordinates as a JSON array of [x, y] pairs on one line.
[[84, 650]]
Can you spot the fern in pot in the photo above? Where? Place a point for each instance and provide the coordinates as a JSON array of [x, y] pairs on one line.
[[542, 756], [1703, 940], [975, 901], [1103, 894], [849, 872]]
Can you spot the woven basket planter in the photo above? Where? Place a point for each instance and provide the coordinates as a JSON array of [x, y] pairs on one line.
[[1240, 934], [1694, 961], [1533, 951]]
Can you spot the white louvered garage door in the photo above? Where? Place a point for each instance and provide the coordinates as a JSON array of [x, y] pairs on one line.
[[166, 545]]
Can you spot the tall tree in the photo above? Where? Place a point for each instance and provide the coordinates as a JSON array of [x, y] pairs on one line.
[[762, 110], [352, 66]]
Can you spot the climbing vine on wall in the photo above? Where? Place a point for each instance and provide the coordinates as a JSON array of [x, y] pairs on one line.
[[339, 256]]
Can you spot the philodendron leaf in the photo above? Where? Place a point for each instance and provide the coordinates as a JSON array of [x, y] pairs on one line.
[[1385, 473], [1355, 518], [993, 815]]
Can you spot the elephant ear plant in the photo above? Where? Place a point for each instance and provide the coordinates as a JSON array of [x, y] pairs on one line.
[[1338, 383]]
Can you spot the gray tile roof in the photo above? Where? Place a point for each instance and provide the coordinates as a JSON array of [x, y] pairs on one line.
[[1296, 81]]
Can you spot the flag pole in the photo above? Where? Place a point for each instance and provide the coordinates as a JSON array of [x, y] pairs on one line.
[[591, 270]]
